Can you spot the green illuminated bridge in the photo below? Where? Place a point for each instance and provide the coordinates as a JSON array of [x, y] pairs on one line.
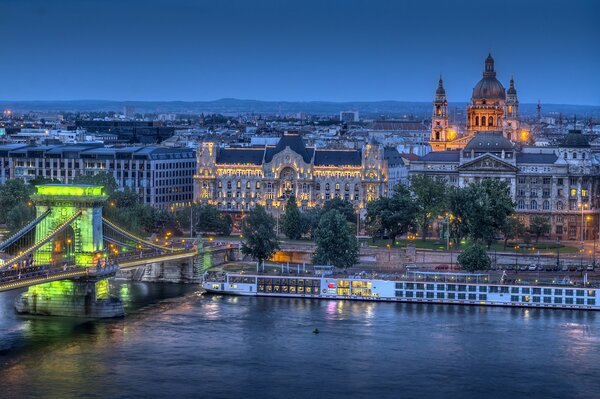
[[67, 253]]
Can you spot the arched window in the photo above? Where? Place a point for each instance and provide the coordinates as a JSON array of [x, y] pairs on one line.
[[327, 186], [574, 155], [533, 204], [565, 155], [476, 121], [583, 155], [483, 121], [546, 205], [559, 205], [491, 121], [318, 186], [521, 204], [437, 135]]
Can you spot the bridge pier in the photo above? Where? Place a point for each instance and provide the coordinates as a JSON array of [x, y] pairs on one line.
[[88, 297]]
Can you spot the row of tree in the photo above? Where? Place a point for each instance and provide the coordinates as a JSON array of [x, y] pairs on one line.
[[481, 211], [336, 244]]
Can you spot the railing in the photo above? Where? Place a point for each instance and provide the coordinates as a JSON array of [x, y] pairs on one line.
[[135, 238]]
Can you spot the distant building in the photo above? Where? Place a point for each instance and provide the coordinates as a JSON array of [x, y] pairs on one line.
[[349, 116], [129, 131], [163, 177], [238, 178]]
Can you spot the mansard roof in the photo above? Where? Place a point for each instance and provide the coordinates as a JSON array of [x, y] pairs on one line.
[[296, 144], [442, 156], [240, 156], [338, 157], [489, 142], [527, 158]]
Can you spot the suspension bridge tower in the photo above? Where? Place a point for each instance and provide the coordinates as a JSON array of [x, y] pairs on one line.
[[69, 232], [79, 206]]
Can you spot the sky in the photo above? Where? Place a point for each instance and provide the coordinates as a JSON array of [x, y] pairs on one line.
[[296, 50]]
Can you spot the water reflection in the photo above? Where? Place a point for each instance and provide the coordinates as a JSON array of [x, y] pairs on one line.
[[176, 342]]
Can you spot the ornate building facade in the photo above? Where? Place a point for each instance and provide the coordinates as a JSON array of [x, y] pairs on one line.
[[491, 109], [560, 183], [238, 178]]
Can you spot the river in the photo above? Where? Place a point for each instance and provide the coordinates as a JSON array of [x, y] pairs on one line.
[[176, 342]]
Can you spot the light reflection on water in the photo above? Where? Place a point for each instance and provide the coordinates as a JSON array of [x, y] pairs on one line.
[[175, 342]]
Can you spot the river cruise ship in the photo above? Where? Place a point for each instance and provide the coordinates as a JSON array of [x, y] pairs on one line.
[[415, 287]]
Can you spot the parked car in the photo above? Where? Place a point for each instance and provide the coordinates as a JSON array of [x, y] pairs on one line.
[[523, 268], [564, 268], [590, 268], [572, 268], [532, 267]]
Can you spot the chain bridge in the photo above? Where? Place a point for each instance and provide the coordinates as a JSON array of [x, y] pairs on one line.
[[65, 256]]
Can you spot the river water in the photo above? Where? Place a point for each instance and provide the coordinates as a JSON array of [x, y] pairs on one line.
[[178, 343]]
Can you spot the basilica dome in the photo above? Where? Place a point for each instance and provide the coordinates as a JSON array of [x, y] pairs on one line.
[[489, 88]]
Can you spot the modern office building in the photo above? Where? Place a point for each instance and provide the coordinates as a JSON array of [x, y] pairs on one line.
[[163, 177]]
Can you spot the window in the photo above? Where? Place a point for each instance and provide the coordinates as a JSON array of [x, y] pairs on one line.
[[546, 205], [318, 186], [491, 121], [559, 205], [521, 204], [533, 204], [483, 121]]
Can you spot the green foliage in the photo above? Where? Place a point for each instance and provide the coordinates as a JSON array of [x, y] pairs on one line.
[[100, 179], [458, 212], [474, 258], [512, 229], [13, 193], [393, 216], [310, 221], [259, 240], [539, 226], [125, 209], [488, 205], [292, 220], [430, 197], [342, 206], [43, 180], [335, 243], [207, 219], [18, 216]]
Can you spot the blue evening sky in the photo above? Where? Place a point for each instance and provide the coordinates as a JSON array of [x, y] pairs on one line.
[[338, 50]]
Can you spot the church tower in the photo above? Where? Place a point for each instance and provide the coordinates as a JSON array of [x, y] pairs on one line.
[[511, 113], [486, 111], [439, 119]]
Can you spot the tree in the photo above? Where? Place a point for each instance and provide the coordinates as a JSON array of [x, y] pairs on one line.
[[310, 221], [394, 216], [13, 193], [512, 229], [429, 195], [18, 216], [292, 219], [457, 216], [99, 179], [43, 180], [539, 226], [342, 206], [474, 258], [488, 207], [335, 243], [260, 241]]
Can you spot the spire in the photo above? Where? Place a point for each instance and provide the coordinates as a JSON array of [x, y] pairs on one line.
[[440, 90], [511, 89], [489, 67]]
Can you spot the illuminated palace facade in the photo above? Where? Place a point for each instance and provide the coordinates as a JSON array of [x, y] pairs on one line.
[[492, 108], [238, 178]]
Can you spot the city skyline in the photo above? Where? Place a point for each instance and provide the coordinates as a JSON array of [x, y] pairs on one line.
[[339, 51]]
